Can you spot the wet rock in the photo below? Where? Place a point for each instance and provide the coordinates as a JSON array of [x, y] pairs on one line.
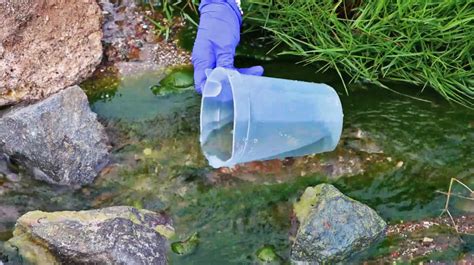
[[333, 226], [115, 235], [359, 140], [46, 46], [59, 139]]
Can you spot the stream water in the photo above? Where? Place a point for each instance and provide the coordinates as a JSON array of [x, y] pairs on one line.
[[395, 153]]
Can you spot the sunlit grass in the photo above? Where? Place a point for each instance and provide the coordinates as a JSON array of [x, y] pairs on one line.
[[428, 43]]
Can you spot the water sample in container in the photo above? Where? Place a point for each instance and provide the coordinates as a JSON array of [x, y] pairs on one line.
[[246, 118]]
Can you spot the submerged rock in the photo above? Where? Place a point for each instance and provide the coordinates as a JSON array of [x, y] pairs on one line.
[[177, 80], [115, 235], [59, 139], [268, 255], [187, 246], [46, 46], [332, 226]]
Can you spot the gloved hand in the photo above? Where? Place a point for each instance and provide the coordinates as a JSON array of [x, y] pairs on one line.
[[217, 37]]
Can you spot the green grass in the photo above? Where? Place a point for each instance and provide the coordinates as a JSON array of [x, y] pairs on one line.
[[428, 43]]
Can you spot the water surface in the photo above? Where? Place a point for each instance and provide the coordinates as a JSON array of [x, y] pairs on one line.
[[395, 154]]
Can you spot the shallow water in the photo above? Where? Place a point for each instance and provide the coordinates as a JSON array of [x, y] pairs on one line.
[[395, 153], [219, 142]]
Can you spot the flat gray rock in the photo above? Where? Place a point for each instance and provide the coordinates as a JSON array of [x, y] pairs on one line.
[[333, 226], [59, 139]]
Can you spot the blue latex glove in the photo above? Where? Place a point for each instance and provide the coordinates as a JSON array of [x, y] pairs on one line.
[[217, 37]]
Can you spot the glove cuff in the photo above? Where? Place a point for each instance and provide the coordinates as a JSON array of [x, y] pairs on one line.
[[234, 4]]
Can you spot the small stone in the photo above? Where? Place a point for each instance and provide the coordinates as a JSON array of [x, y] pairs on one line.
[[427, 240], [399, 164], [147, 151], [12, 177]]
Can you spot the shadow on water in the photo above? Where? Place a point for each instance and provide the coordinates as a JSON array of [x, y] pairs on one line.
[[405, 150]]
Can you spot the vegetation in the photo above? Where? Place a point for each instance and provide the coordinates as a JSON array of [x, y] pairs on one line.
[[426, 43], [170, 10]]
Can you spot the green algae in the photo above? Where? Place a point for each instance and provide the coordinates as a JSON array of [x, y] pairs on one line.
[[267, 254], [28, 220], [307, 201], [23, 249], [186, 247], [177, 80], [179, 77], [102, 87]]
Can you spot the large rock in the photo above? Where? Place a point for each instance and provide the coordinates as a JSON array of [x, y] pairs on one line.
[[332, 226], [115, 235], [59, 139], [46, 46]]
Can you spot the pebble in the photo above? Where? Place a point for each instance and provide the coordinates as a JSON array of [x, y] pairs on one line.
[[12, 177], [427, 240], [147, 151]]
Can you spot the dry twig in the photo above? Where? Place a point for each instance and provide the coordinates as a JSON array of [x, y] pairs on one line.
[[448, 197]]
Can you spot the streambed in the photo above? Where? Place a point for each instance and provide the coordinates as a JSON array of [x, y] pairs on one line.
[[395, 153]]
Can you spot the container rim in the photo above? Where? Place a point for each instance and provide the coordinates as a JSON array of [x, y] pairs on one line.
[[233, 77]]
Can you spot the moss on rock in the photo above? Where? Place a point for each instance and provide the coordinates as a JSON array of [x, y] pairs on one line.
[[111, 235]]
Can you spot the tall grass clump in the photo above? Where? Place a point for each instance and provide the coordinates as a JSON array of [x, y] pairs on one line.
[[424, 42]]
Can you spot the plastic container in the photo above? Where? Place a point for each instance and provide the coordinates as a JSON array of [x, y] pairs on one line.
[[246, 118]]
